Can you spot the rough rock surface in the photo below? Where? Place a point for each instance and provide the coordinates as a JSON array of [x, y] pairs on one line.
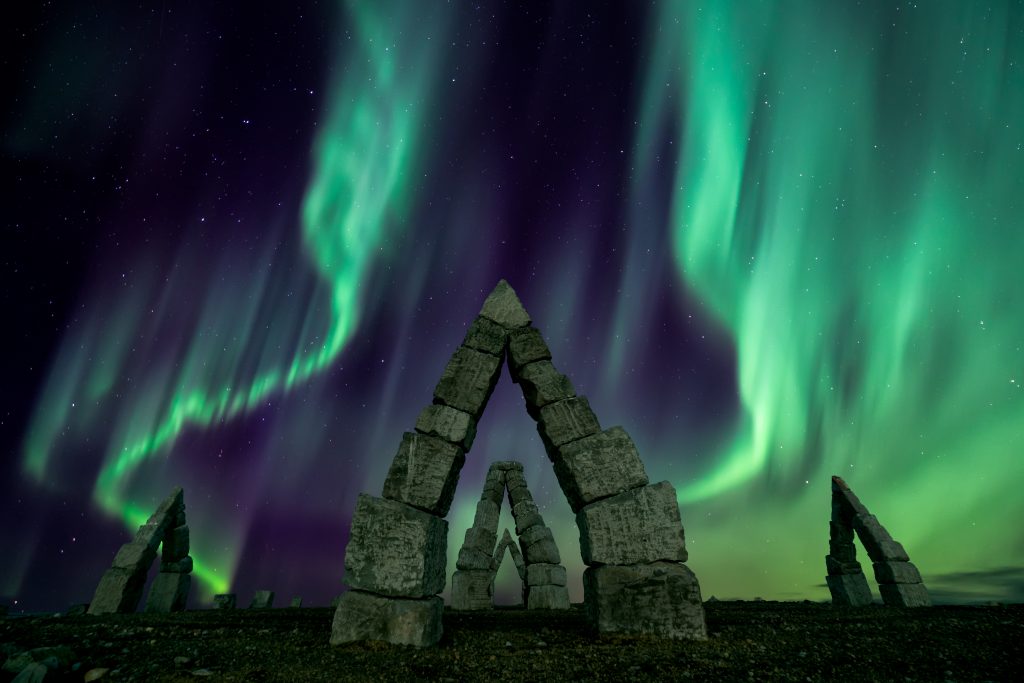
[[538, 545], [525, 345], [547, 597], [468, 380], [638, 526], [402, 621], [896, 572], [540, 574], [169, 592], [527, 516], [447, 423], [503, 307], [904, 594], [262, 600], [119, 590], [565, 421], [424, 473], [395, 549], [542, 384], [176, 544], [661, 598], [486, 335], [472, 589], [877, 542], [598, 466], [849, 589]]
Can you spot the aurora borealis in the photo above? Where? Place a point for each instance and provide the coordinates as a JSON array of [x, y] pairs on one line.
[[775, 241]]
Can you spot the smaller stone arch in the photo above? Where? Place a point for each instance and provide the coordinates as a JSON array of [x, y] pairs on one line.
[[899, 581], [121, 586], [543, 575]]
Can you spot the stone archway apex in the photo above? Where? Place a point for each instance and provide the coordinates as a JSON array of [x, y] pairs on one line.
[[630, 530]]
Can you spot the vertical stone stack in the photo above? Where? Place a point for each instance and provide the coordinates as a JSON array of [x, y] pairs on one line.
[[899, 581], [508, 544], [121, 586], [395, 560], [473, 580]]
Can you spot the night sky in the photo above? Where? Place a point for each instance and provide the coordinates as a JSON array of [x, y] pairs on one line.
[[775, 241]]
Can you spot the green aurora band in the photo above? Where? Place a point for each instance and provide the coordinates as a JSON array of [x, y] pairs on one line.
[[847, 189], [363, 161]]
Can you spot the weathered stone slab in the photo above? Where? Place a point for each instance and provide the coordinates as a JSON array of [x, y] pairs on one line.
[[169, 592], [835, 566], [296, 603], [842, 551], [481, 539], [150, 535], [472, 589], [119, 590], [566, 421], [486, 517], [134, 556], [395, 549], [487, 336], [547, 597], [525, 345], [840, 533], [507, 543], [896, 572], [527, 516], [424, 473], [538, 545], [182, 566], [539, 574], [842, 494], [262, 600], [598, 466], [165, 513], [472, 558], [542, 384], [468, 380], [638, 526], [366, 616], [225, 600], [850, 590], [507, 465], [905, 594], [503, 307], [335, 601], [176, 544], [879, 545], [447, 423], [662, 598]]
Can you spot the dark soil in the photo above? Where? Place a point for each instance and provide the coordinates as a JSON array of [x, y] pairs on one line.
[[748, 641]]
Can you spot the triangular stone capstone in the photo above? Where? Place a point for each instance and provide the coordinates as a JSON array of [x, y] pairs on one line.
[[898, 579], [121, 586], [631, 534]]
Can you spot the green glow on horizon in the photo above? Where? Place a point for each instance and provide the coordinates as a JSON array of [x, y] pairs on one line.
[[853, 220]]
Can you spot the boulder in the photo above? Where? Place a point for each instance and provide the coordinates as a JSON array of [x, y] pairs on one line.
[[565, 421], [169, 592], [525, 345], [395, 549], [401, 621], [660, 598], [486, 335], [472, 589], [503, 307], [76, 610], [468, 380], [896, 572], [17, 663], [225, 601], [447, 423], [539, 574], [638, 526], [598, 466], [262, 600], [119, 590], [542, 384], [849, 590], [424, 473], [37, 672], [904, 594], [547, 597]]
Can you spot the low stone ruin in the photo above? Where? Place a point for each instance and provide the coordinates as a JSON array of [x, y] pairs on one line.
[[225, 600], [631, 534], [121, 586], [899, 582], [262, 600], [542, 572], [296, 603]]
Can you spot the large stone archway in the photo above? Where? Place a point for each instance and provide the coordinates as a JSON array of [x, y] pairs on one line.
[[631, 534]]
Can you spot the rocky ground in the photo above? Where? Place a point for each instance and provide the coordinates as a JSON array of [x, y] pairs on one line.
[[749, 641]]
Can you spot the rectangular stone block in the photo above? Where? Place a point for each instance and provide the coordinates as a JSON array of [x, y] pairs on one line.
[[395, 549], [638, 526], [660, 599], [182, 566], [225, 600], [547, 597], [472, 589], [487, 515], [542, 384], [840, 533], [468, 380], [473, 558], [836, 567], [134, 556], [905, 594], [366, 616], [150, 535], [566, 421], [598, 466], [842, 551], [165, 514], [424, 473], [169, 592], [525, 345], [527, 516], [503, 307], [538, 546], [896, 572], [842, 494], [176, 544], [506, 466], [850, 590], [545, 574], [262, 600], [487, 336], [879, 545], [447, 423], [480, 539], [119, 591]]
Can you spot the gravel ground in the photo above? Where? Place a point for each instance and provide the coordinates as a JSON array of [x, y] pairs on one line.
[[748, 641]]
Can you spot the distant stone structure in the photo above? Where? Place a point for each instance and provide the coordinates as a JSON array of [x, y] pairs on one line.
[[631, 534], [509, 546], [899, 582], [262, 600], [225, 600], [542, 574], [296, 603], [121, 586]]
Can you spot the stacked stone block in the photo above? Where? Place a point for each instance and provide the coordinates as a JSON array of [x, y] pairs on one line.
[[121, 586], [899, 581]]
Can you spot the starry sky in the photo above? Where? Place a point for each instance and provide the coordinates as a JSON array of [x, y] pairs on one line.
[[775, 241]]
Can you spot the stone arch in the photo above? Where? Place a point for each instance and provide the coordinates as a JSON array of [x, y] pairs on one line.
[[631, 534], [121, 586], [541, 571], [899, 581]]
